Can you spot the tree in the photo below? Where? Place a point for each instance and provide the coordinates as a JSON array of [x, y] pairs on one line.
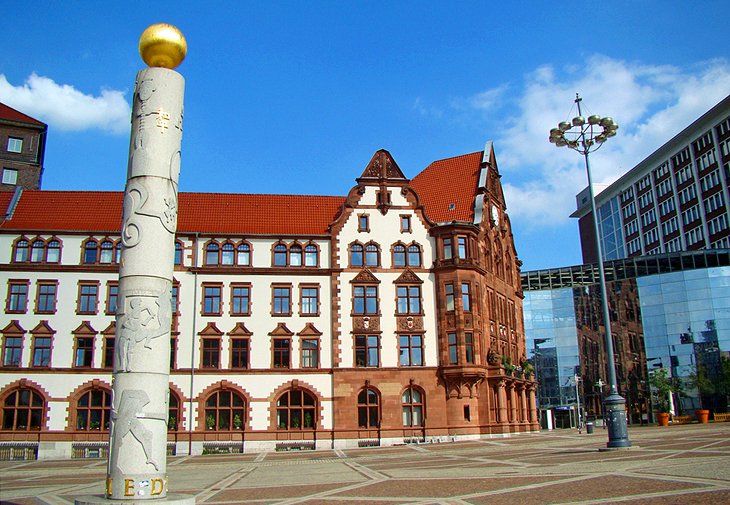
[[663, 385]]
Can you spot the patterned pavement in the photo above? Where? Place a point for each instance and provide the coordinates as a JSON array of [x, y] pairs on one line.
[[685, 464]]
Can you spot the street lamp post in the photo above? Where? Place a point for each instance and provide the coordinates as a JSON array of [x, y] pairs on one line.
[[585, 135]]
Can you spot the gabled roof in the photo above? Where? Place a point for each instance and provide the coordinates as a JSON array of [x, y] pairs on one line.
[[382, 167], [234, 214], [10, 114], [447, 187]]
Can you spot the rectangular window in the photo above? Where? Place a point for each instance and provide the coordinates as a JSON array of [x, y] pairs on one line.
[[453, 349], [282, 353], [12, 350], [211, 353], [367, 350], [411, 350], [173, 353], [174, 300], [363, 223], [15, 145], [46, 298], [281, 300], [469, 347], [42, 351], [448, 252], [84, 356], [10, 176], [239, 352], [462, 252], [409, 299], [108, 361], [449, 297], [88, 298], [309, 300], [310, 353], [405, 224], [112, 295], [17, 297], [466, 297], [211, 300], [365, 300], [240, 300]]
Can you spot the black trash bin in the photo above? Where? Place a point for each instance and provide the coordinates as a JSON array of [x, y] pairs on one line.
[[589, 428]]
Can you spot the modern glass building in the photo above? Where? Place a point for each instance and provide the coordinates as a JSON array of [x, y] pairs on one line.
[[667, 311]]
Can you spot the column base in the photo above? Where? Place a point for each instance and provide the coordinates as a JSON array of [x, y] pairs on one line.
[[170, 499]]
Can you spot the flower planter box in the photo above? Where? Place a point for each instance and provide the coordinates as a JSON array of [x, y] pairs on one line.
[[721, 418]]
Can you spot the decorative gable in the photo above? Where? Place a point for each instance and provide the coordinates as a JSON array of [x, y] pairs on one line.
[[309, 330], [408, 277], [382, 166], [43, 328], [240, 330], [13, 327], [365, 277], [85, 328], [281, 331], [211, 330]]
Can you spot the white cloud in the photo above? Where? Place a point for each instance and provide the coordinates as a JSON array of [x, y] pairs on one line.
[[64, 107], [651, 103]]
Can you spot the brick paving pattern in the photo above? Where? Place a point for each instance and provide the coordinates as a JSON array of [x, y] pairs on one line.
[[687, 464]]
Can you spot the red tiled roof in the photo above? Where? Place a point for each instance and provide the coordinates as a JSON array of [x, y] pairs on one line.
[[10, 114], [453, 180], [236, 214]]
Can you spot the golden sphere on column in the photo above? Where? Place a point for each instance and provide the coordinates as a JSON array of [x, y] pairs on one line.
[[162, 45]]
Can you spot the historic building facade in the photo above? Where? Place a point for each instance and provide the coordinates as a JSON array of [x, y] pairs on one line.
[[392, 315], [22, 148]]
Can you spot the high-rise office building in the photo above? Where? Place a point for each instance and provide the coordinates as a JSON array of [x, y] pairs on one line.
[[676, 199]]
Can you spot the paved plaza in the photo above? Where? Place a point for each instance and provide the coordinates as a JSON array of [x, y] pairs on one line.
[[686, 464]]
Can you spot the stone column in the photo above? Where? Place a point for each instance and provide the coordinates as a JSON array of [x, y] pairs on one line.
[[533, 405], [502, 401], [513, 402], [523, 405], [137, 468]]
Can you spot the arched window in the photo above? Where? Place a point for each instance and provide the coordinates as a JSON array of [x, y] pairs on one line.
[[37, 251], [399, 255], [296, 410], [178, 253], [295, 255], [356, 255], [212, 251], [90, 251], [23, 410], [412, 402], [174, 414], [280, 255], [372, 255], [107, 252], [508, 268], [92, 410], [414, 255], [224, 410], [244, 254], [368, 409], [311, 256], [21, 251], [54, 251], [227, 254]]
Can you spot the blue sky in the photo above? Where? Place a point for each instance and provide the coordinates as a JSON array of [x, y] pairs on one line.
[[295, 97]]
